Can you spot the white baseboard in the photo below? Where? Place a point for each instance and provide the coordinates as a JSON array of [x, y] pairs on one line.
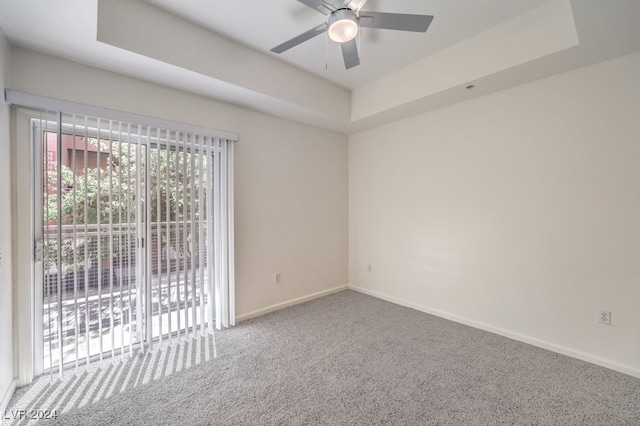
[[622, 368], [288, 303], [4, 403]]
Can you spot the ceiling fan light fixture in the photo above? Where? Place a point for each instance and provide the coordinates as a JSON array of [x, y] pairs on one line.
[[343, 25], [344, 19]]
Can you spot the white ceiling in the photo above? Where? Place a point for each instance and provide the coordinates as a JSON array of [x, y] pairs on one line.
[[220, 49], [265, 24]]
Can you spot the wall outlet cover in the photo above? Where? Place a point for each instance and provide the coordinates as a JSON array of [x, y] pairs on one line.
[[604, 317]]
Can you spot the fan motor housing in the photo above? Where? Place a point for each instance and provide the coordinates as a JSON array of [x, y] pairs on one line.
[[343, 25]]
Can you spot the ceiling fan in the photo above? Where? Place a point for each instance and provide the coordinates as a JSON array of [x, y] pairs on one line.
[[344, 21]]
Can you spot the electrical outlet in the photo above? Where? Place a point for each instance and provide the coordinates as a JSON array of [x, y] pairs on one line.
[[368, 268], [604, 317], [277, 279]]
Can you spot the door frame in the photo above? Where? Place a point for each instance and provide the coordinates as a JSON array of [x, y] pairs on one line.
[[27, 175], [24, 175]]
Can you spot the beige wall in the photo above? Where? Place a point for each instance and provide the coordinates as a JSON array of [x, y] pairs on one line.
[[517, 212], [6, 327], [290, 179]]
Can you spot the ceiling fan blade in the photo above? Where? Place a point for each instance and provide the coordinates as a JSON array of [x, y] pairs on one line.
[[323, 6], [350, 54], [355, 5], [395, 21], [300, 39]]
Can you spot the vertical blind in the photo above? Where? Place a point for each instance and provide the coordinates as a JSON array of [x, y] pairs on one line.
[[137, 230]]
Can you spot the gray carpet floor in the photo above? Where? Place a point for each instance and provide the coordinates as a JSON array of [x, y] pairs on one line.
[[345, 359]]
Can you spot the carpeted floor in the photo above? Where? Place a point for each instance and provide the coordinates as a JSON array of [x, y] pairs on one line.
[[345, 359]]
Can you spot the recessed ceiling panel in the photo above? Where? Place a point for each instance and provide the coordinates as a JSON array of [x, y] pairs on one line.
[[266, 24]]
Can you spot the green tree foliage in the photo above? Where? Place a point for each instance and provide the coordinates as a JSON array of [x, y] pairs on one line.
[[111, 196]]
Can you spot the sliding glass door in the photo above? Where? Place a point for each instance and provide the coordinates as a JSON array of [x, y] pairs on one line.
[[135, 233]]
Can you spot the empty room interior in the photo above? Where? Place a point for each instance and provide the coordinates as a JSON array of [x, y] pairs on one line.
[[320, 211]]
